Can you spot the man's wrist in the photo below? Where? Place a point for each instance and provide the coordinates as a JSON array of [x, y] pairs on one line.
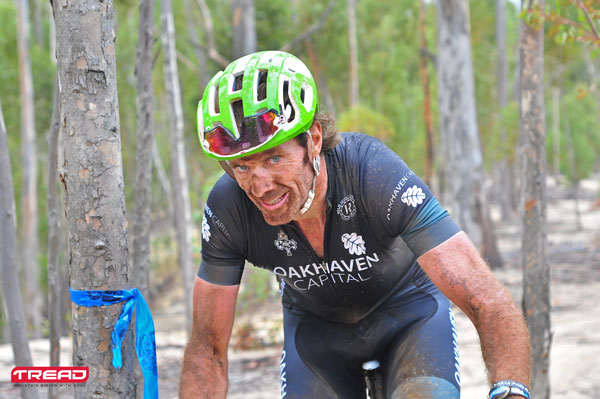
[[508, 389]]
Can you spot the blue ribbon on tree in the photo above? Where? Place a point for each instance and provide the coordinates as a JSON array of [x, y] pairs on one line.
[[145, 345]]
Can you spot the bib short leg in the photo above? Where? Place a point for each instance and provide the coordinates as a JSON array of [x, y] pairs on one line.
[[413, 336]]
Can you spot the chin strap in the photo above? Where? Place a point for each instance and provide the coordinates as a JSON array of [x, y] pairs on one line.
[[311, 194]]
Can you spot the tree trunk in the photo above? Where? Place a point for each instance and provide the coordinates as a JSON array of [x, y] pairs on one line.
[[556, 133], [504, 187], [182, 210], [192, 23], [11, 289], [536, 271], [458, 128], [92, 180], [427, 118], [5, 327], [54, 212], [142, 186], [324, 92], [574, 174], [244, 28], [38, 17], [163, 179], [353, 47], [29, 206]]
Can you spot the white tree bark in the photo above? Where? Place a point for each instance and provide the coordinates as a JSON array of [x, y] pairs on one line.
[[353, 46], [505, 187], [29, 206], [179, 177], [54, 212], [463, 160], [11, 289], [142, 186], [244, 28], [536, 270], [92, 181]]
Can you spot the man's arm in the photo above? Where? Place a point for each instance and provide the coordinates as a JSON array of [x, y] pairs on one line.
[[204, 373], [458, 270]]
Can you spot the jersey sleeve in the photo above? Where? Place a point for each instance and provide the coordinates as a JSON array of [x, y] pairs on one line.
[[399, 202], [223, 245]]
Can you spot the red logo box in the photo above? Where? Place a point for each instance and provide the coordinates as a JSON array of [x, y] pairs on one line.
[[49, 375]]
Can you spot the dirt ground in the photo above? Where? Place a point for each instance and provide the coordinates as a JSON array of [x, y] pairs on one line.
[[574, 255]]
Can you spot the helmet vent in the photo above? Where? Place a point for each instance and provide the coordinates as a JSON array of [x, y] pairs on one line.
[[288, 108], [302, 95], [216, 100], [261, 85], [237, 83], [237, 108]]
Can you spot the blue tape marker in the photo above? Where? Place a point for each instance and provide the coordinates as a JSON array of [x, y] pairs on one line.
[[145, 345]]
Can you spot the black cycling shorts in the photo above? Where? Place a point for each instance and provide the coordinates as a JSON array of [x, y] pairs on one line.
[[412, 335]]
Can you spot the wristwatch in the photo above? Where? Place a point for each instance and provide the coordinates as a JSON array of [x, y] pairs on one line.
[[505, 388]]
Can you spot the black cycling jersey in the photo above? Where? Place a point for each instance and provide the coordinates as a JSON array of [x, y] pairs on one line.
[[380, 218]]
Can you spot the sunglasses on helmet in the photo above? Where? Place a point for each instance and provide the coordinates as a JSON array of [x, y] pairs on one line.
[[254, 131]]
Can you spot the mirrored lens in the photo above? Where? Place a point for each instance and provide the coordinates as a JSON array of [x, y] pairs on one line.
[[255, 131]]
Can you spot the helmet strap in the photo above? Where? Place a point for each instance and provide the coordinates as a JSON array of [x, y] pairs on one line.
[[316, 164], [227, 169]]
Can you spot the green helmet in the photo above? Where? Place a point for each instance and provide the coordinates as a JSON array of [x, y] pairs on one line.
[[258, 102]]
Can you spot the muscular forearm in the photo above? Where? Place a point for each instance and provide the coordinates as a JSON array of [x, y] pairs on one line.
[[204, 374], [458, 270], [504, 339]]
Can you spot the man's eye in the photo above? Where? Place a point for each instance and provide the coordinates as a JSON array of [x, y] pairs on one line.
[[275, 159], [241, 168]]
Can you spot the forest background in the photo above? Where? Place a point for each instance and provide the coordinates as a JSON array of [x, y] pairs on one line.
[[381, 95]]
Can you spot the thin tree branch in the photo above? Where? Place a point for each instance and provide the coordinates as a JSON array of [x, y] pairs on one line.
[[213, 53], [588, 18], [311, 29], [186, 61]]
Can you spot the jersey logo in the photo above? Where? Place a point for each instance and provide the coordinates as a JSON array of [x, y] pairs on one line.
[[413, 196], [347, 208], [283, 243], [205, 229], [354, 244]]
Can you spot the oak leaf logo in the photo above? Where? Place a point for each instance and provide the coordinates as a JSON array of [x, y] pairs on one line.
[[354, 244], [413, 196], [205, 229]]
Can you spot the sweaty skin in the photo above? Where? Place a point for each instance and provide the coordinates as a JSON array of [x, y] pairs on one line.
[[277, 182], [204, 373], [462, 275]]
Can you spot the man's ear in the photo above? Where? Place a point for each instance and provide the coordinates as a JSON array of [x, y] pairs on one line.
[[316, 134]]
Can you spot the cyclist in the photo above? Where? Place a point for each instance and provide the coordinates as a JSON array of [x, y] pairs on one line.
[[365, 255]]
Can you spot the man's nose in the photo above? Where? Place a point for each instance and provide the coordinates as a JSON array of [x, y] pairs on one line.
[[261, 182]]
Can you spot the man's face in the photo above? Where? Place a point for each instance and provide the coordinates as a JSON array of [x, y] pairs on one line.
[[276, 180]]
